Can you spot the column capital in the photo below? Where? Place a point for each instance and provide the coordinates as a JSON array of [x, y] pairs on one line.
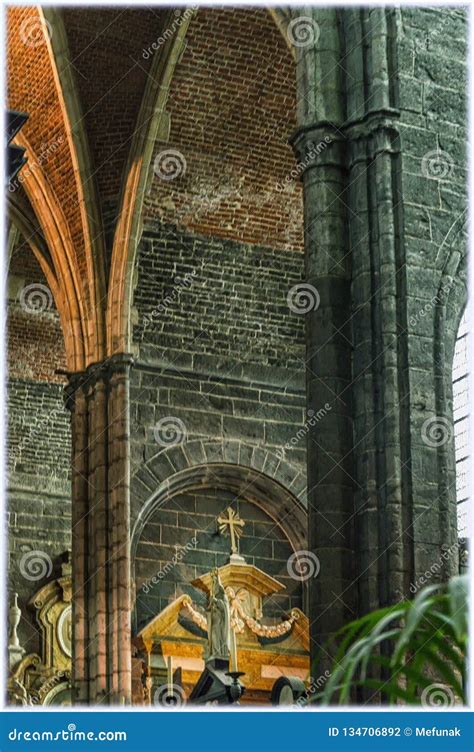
[[376, 133], [119, 363], [320, 144], [328, 144]]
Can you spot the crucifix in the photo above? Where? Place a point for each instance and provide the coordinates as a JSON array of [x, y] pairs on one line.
[[235, 525]]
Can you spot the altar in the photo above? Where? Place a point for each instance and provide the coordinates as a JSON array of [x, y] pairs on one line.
[[223, 652], [174, 646]]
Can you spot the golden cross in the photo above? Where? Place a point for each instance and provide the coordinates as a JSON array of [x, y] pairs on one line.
[[235, 525]]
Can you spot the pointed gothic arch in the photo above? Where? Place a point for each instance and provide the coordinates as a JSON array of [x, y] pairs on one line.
[[138, 174]]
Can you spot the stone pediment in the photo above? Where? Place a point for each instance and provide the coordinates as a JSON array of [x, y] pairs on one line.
[[164, 625], [242, 575]]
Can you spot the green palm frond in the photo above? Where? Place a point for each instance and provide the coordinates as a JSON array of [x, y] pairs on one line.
[[404, 652]]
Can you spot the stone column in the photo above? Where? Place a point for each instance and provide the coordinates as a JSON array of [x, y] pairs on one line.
[[319, 146], [99, 404], [75, 401], [381, 505], [119, 526]]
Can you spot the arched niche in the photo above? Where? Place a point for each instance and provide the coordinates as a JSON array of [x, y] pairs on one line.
[[181, 517]]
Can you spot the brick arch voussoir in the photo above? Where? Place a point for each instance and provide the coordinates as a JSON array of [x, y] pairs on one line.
[[69, 297], [88, 202], [272, 484], [23, 218], [31, 233]]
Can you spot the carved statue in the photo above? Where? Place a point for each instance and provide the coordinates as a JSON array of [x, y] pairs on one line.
[[15, 650], [15, 616], [218, 620]]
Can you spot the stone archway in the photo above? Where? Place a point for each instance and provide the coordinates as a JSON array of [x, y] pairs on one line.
[[138, 173], [284, 519], [265, 491]]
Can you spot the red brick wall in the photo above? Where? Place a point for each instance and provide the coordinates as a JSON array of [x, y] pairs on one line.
[[31, 88], [232, 106], [35, 342]]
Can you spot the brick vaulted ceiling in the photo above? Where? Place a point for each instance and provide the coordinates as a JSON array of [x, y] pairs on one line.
[[32, 89], [80, 75], [106, 46], [105, 53], [96, 104]]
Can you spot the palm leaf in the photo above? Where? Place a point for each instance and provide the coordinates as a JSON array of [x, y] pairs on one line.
[[401, 650]]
